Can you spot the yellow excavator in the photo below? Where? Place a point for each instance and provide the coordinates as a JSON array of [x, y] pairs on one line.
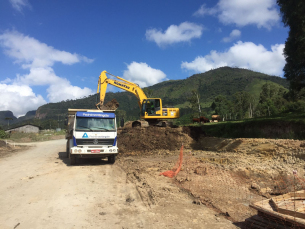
[[152, 109]]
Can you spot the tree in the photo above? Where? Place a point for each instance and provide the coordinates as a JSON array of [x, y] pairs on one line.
[[194, 100], [271, 100], [293, 15], [220, 105], [241, 102], [252, 105]]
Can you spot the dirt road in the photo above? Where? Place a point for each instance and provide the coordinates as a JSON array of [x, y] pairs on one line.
[[40, 190]]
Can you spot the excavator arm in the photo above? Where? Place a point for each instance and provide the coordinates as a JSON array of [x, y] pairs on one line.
[[120, 83], [151, 109]]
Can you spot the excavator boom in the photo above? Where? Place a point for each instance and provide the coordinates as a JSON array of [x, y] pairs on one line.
[[152, 109], [122, 84]]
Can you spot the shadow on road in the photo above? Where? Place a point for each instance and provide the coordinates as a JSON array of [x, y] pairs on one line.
[[82, 161], [242, 225]]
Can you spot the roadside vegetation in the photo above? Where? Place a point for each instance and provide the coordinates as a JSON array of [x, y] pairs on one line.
[[2, 134], [35, 137], [286, 126]]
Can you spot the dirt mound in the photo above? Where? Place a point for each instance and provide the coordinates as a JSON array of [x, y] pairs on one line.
[[156, 138], [2, 143], [111, 105], [8, 150]]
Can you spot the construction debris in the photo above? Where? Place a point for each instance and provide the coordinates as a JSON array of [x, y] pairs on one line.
[[287, 210]]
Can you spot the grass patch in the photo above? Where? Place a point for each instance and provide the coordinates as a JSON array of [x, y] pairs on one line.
[[35, 137], [285, 126]]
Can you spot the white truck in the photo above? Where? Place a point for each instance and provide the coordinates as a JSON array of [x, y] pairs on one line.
[[91, 134]]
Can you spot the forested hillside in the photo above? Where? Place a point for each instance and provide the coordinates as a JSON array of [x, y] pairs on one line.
[[224, 81]]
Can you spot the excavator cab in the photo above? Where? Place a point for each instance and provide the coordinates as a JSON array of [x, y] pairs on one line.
[[151, 107]]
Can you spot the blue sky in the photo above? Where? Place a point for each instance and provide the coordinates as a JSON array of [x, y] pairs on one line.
[[55, 50]]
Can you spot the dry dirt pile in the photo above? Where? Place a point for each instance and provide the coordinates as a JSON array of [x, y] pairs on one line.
[[2, 143], [152, 140]]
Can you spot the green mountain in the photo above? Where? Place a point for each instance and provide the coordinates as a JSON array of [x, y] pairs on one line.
[[222, 81], [4, 115]]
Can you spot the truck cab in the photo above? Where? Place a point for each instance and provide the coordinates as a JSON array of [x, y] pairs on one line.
[[91, 134]]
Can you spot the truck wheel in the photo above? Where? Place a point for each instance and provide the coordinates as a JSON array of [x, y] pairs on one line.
[[72, 159], [111, 159], [67, 149]]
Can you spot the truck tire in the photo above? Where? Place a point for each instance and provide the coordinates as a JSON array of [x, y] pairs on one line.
[[67, 149], [72, 159], [111, 159]]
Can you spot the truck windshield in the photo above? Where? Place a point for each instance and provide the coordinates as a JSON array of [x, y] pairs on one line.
[[95, 124]]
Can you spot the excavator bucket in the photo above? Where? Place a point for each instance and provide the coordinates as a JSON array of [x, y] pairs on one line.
[[111, 105]]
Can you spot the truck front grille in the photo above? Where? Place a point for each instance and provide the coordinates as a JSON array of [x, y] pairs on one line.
[[95, 141]]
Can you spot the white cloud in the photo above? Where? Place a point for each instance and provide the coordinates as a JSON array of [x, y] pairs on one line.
[[203, 10], [184, 32], [262, 13], [19, 4], [38, 76], [143, 74], [19, 99], [233, 36], [7, 80], [33, 53], [64, 90], [38, 58], [244, 55]]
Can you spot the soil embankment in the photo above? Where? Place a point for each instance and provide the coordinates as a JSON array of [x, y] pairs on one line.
[[273, 129]]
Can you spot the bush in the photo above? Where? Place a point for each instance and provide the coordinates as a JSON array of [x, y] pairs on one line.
[[298, 106], [3, 134]]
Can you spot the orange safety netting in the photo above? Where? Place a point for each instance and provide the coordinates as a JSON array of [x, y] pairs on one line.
[[177, 167]]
